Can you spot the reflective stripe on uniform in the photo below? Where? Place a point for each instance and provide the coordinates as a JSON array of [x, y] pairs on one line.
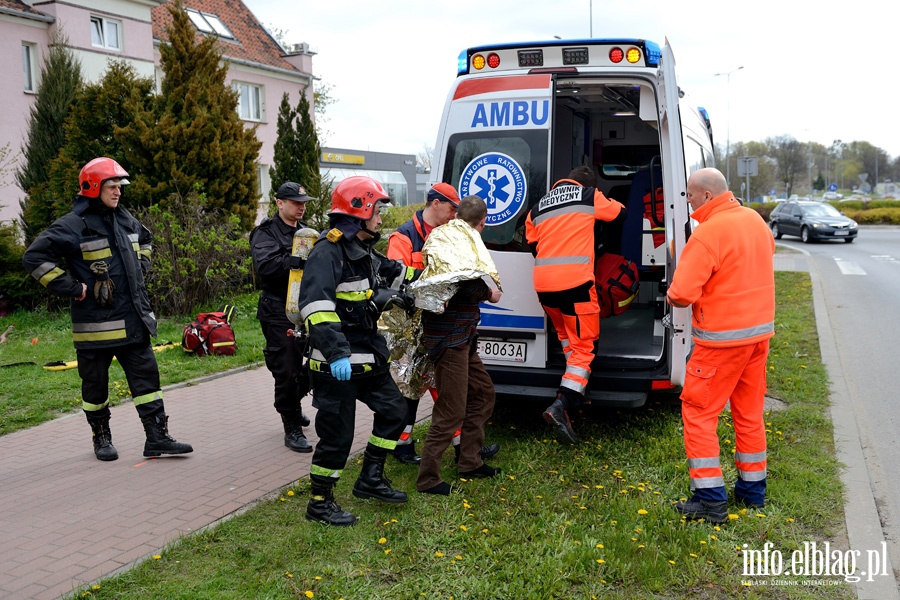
[[353, 296], [144, 399], [145, 250], [568, 210], [382, 443], [95, 249], [704, 463], [360, 285], [752, 475], [562, 260], [323, 472], [750, 457], [355, 359], [572, 385], [96, 332], [94, 407], [707, 482], [734, 334], [46, 273], [317, 306]]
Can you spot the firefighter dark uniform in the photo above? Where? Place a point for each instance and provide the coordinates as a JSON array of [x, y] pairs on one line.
[[107, 249], [270, 246], [560, 229], [726, 273], [342, 280]]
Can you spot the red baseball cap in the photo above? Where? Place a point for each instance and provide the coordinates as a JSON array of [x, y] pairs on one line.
[[444, 192]]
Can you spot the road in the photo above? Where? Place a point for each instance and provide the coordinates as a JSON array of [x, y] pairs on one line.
[[861, 285]]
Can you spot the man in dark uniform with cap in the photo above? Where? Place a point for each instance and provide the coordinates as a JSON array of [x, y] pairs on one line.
[[270, 245]]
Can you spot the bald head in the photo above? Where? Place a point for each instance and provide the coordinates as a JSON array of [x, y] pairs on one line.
[[704, 185]]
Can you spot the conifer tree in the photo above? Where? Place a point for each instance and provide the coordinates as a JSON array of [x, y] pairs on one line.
[[90, 132], [193, 137], [296, 158], [60, 81]]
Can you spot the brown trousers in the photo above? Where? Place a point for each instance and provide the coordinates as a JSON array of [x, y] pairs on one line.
[[465, 401]]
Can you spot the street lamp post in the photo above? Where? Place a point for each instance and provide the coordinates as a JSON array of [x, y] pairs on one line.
[[727, 75]]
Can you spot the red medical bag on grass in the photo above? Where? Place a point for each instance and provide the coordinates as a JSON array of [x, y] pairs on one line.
[[211, 333]]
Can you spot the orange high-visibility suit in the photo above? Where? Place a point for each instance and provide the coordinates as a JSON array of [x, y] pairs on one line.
[[561, 229], [726, 272]]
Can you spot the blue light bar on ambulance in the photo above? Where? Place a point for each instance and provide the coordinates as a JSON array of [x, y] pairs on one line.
[[560, 52]]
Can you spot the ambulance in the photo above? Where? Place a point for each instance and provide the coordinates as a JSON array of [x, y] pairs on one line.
[[521, 116]]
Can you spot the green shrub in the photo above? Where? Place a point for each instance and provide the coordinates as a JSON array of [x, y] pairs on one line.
[[884, 204], [17, 288], [876, 216], [199, 255]]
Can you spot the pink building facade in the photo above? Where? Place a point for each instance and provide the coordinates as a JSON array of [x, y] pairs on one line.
[[132, 30]]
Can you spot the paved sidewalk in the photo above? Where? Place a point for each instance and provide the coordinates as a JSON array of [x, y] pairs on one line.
[[67, 519]]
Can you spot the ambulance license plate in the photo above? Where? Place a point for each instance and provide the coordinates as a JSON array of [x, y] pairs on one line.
[[499, 350]]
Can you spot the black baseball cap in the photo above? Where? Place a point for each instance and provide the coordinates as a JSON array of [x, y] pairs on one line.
[[292, 191]]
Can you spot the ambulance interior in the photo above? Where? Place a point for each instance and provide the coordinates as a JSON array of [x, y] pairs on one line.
[[611, 125]]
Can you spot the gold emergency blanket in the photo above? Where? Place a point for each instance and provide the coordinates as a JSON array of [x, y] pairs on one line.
[[453, 252], [412, 371]]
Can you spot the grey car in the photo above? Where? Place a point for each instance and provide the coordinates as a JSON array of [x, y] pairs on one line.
[[812, 221]]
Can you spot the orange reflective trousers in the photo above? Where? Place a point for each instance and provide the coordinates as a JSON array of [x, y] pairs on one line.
[[576, 316], [715, 376]]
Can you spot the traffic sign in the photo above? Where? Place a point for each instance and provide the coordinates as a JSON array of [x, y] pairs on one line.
[[832, 187]]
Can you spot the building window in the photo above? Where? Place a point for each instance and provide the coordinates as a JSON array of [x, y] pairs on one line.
[[29, 52], [106, 33], [208, 23], [250, 101]]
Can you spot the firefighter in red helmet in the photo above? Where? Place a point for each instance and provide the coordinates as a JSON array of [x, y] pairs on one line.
[[106, 253], [346, 284]]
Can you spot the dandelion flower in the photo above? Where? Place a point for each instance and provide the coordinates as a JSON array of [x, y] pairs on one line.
[[641, 547], [733, 517], [95, 587], [789, 520], [288, 574], [290, 492], [484, 531], [317, 578], [760, 515], [308, 593], [641, 511], [458, 557], [600, 561], [693, 555], [382, 540], [439, 554], [156, 557], [387, 550], [671, 562], [463, 527]]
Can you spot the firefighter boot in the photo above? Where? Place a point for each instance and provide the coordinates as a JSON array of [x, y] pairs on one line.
[[557, 415], [293, 431], [322, 508], [159, 441], [373, 484], [406, 453], [103, 448]]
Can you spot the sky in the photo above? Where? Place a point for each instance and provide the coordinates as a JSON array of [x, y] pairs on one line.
[[815, 71]]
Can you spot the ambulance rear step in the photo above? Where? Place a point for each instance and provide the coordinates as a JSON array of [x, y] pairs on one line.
[[598, 397]]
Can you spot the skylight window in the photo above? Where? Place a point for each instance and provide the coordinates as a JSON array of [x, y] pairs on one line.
[[208, 23]]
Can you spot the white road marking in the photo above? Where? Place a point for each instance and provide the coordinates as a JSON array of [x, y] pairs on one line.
[[848, 267]]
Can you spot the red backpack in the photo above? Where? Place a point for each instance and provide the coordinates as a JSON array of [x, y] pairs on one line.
[[211, 333], [617, 283]]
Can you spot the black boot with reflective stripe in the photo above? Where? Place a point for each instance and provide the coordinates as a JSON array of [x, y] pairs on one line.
[[322, 508], [103, 447], [373, 484], [159, 441]]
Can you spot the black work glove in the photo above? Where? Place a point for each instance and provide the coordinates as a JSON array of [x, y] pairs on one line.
[[297, 262], [103, 286]]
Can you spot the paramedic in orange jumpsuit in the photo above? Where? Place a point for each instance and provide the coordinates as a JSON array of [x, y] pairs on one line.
[[726, 274], [560, 232]]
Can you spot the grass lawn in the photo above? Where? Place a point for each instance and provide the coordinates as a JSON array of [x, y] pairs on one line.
[[590, 521]]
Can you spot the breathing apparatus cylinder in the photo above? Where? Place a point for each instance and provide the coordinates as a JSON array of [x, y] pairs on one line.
[[304, 238]]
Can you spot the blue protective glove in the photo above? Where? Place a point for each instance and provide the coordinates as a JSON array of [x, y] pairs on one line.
[[340, 369]]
